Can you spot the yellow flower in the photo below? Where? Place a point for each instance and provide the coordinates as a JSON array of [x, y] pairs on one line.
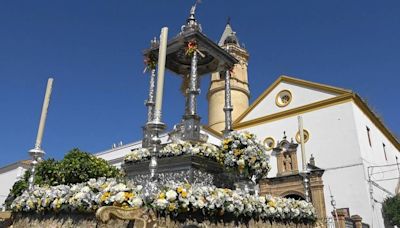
[[226, 141], [105, 196], [179, 189], [162, 195], [237, 152], [271, 204], [129, 195], [172, 206], [184, 194]]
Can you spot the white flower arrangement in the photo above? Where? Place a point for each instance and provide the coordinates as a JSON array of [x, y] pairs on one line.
[[212, 201], [176, 149], [83, 197], [136, 155], [239, 151], [172, 200], [242, 151]]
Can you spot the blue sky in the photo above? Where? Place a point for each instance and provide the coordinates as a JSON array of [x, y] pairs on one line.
[[93, 50]]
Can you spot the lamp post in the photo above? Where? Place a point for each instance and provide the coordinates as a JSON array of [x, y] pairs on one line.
[[37, 153]]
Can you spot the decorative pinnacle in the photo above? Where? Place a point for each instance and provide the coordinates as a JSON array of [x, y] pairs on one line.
[[154, 42], [191, 23]]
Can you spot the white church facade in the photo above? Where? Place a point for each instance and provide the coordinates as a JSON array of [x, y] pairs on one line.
[[347, 140]]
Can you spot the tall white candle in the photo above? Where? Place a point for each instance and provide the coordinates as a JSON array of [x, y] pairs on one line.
[[162, 52], [44, 113], [303, 150]]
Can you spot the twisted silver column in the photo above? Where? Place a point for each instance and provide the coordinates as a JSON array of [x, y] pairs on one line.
[[306, 183], [193, 89], [150, 102], [191, 121]]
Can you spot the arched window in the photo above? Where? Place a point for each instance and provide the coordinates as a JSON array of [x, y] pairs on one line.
[[294, 196]]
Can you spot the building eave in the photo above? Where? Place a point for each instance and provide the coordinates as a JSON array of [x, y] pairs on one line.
[[296, 81], [23, 163]]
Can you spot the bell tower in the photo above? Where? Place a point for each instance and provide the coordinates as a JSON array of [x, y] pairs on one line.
[[240, 92]]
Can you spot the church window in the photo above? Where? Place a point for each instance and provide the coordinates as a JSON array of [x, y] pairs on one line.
[[269, 143], [384, 150], [283, 98], [222, 75], [369, 136], [306, 136]]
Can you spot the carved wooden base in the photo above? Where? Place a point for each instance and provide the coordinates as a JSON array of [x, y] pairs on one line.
[[143, 218]]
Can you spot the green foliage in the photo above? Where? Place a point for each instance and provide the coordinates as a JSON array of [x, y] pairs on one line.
[[391, 210], [79, 167], [48, 172], [76, 167]]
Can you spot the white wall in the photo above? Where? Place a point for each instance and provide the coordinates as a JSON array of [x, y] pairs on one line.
[[374, 155], [7, 180], [300, 96], [335, 146], [115, 156]]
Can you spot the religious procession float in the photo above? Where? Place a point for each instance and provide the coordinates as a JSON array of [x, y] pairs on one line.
[[185, 182]]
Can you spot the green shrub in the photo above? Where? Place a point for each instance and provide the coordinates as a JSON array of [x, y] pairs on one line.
[[76, 167], [391, 210]]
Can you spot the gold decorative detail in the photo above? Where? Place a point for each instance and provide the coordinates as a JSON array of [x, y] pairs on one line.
[[306, 136], [5, 215], [283, 98], [295, 111], [269, 143], [146, 218], [296, 81]]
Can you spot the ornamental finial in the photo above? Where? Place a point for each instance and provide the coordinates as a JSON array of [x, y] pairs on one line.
[[191, 22]]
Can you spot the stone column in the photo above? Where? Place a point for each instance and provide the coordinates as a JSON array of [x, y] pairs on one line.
[[340, 220], [357, 220], [317, 196]]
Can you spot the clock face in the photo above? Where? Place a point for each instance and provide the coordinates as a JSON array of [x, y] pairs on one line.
[[306, 136], [283, 98], [269, 143]]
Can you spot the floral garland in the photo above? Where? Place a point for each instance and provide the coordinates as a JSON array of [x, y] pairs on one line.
[[172, 200], [177, 149], [83, 197], [149, 62], [137, 155], [243, 152], [212, 201], [191, 48]]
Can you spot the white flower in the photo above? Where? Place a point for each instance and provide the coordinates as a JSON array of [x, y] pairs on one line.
[[162, 203], [171, 195], [136, 202], [85, 189], [120, 197]]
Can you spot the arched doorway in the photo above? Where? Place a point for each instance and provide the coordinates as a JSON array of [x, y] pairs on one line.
[[294, 196]]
